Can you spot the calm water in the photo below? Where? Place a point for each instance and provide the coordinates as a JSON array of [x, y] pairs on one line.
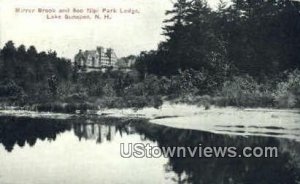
[[45, 151]]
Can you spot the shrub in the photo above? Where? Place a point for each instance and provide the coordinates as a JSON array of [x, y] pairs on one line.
[[135, 90], [65, 107], [245, 91], [287, 93], [152, 85], [108, 90]]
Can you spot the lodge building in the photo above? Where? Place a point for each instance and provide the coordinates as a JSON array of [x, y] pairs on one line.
[[98, 59]]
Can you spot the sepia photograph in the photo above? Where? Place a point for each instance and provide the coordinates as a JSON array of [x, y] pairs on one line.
[[149, 92]]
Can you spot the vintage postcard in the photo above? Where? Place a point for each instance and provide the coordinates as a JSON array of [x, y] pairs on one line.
[[149, 91]]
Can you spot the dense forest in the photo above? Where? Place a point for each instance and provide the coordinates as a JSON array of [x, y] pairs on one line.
[[244, 53], [246, 50], [257, 37]]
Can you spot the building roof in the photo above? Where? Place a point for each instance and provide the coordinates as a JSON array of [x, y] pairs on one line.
[[91, 52]]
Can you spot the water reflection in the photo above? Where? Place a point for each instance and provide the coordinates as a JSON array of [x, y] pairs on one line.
[[284, 169], [100, 132], [24, 130]]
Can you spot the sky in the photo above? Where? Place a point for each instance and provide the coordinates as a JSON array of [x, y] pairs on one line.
[[125, 33]]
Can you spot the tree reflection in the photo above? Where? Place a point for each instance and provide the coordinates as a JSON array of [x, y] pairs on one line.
[[284, 169], [99, 132], [17, 130], [22, 130]]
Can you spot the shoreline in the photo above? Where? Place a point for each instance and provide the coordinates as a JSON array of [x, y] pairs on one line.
[[232, 121], [88, 108]]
